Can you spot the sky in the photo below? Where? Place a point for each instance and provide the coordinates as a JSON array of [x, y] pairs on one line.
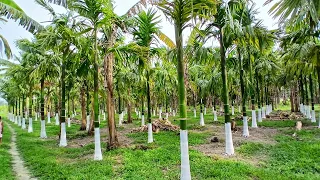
[[12, 32]]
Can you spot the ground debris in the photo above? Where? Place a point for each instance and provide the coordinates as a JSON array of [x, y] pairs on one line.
[[158, 125], [284, 115]]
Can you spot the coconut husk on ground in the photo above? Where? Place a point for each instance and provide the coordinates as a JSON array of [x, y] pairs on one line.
[[283, 115], [158, 125]]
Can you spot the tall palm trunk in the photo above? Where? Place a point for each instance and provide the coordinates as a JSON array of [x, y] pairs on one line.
[[63, 135], [185, 165], [258, 97], [108, 68], [83, 109], [313, 118], [43, 133], [254, 120], [243, 95], [16, 118], [148, 97], [23, 123], [245, 131], [229, 142], [19, 110], [97, 153]]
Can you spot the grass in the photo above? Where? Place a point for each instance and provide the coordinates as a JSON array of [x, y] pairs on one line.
[[6, 171], [290, 158]]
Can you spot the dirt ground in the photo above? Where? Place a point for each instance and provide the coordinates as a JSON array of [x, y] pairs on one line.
[[122, 138], [217, 149]]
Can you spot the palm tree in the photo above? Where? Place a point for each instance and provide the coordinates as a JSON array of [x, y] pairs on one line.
[[181, 12], [225, 28], [145, 36]]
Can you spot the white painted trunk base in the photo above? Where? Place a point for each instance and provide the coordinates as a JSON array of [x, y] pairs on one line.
[[63, 136], [305, 108], [16, 120], [185, 164], [154, 112], [173, 113], [49, 119], [263, 113], [97, 145], [150, 135], [43, 133], [69, 123], [300, 107], [232, 110], [36, 117], [57, 119], [308, 112], [194, 113], [245, 131], [23, 124], [142, 120], [170, 109], [259, 115], [313, 116], [201, 120], [139, 113], [120, 119], [167, 116], [30, 127], [254, 119], [88, 123], [205, 111], [229, 142], [215, 118], [19, 120]]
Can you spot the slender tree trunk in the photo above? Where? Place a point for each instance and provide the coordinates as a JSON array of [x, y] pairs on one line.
[[306, 91], [291, 99], [296, 102], [185, 164], [108, 67], [83, 109], [243, 95], [229, 142], [252, 82], [311, 92], [148, 97], [41, 99]]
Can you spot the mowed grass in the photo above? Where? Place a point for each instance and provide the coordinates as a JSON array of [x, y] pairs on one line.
[[6, 171], [291, 158]]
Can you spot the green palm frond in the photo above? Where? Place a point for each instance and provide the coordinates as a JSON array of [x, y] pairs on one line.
[[4, 46], [11, 10]]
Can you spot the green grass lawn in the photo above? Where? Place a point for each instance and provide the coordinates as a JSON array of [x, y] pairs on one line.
[[290, 158], [6, 171]]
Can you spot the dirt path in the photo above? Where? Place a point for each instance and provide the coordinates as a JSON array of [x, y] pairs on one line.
[[20, 170]]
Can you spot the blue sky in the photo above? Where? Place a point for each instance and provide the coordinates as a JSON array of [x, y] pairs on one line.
[[12, 32]]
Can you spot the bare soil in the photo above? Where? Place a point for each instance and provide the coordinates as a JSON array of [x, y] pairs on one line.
[[217, 149], [124, 141]]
